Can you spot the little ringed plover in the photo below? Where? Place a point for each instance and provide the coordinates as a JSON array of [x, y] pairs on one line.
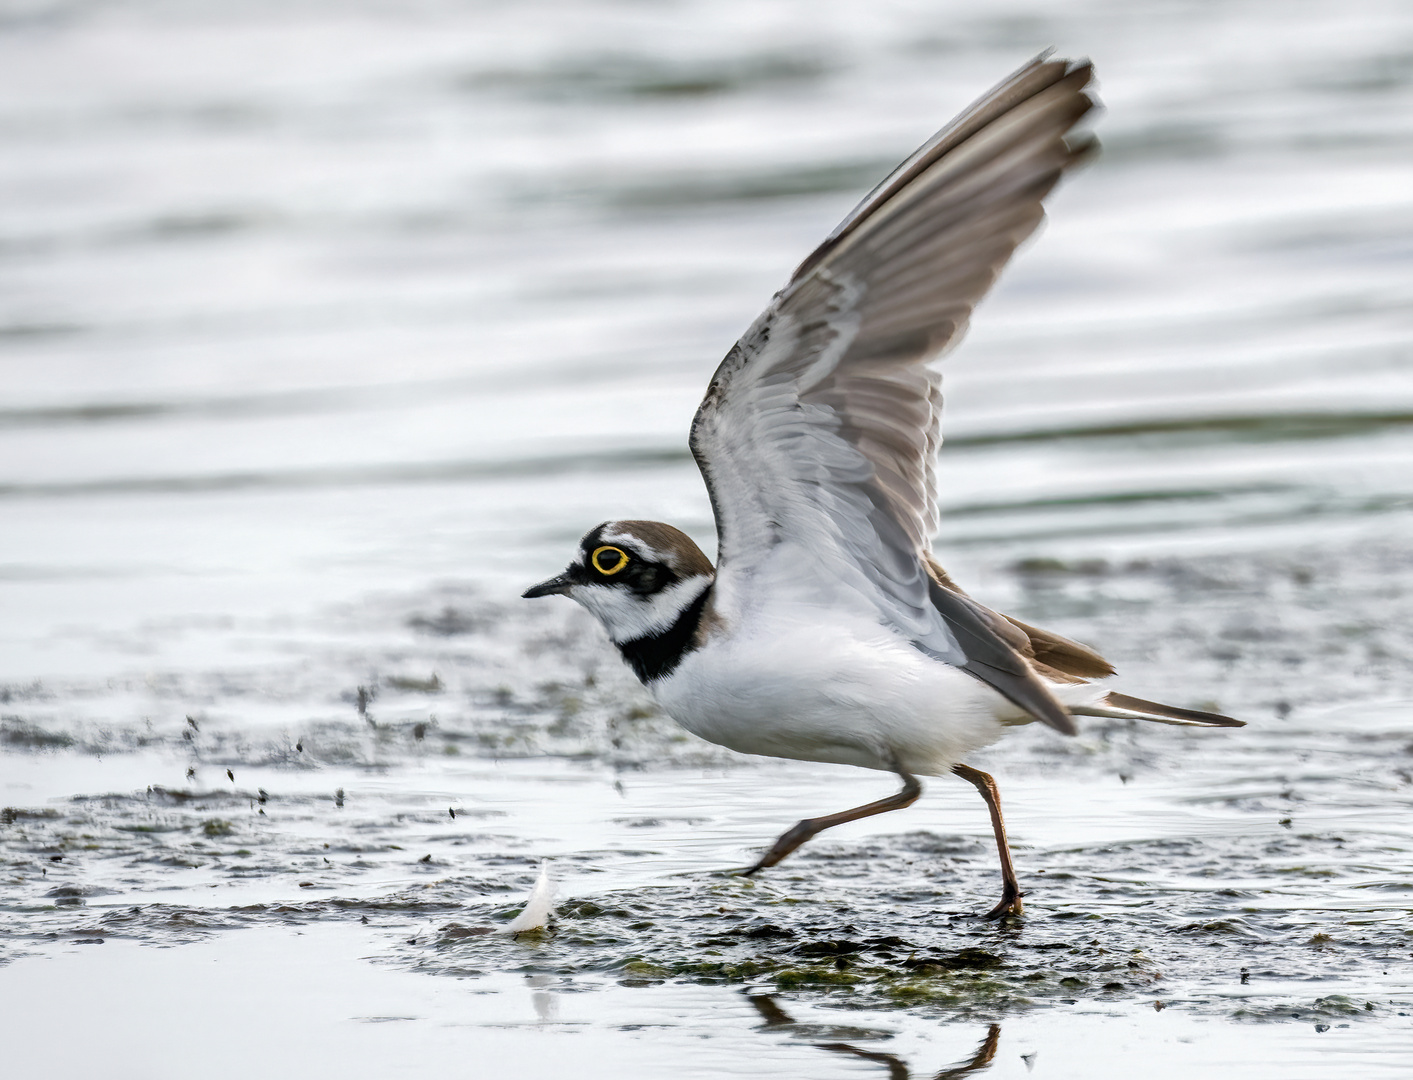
[[827, 631]]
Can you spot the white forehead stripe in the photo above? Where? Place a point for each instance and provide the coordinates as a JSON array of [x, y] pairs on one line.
[[637, 545]]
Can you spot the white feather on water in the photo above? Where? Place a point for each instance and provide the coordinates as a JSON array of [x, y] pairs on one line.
[[538, 904]]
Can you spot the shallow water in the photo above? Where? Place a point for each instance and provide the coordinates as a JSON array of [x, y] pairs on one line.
[[325, 328]]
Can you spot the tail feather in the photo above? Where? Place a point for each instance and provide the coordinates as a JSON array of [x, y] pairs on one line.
[[1123, 707]]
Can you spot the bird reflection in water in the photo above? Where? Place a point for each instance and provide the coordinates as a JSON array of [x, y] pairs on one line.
[[776, 1017]]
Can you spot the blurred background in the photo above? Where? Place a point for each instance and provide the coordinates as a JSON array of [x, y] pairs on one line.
[[327, 326], [308, 299]]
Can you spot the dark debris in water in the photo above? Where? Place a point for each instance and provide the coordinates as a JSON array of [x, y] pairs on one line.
[[1272, 881], [1217, 925], [836, 932]]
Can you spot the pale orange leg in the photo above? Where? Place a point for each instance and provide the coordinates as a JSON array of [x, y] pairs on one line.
[[1010, 888], [812, 827]]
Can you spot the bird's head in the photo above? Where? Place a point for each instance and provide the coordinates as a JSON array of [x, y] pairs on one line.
[[635, 577]]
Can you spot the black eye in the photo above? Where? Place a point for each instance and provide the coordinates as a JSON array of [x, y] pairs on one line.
[[609, 560]]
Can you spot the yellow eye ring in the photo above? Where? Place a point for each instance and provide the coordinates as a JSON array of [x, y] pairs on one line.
[[606, 566]]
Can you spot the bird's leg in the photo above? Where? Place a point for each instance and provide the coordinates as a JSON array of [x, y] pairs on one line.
[[812, 827], [1010, 888]]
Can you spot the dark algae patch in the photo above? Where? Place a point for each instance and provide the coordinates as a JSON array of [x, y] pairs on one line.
[[958, 966], [839, 935]]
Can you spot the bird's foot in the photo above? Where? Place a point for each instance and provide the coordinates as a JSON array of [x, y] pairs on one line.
[[760, 864], [1009, 907], [782, 847], [770, 858]]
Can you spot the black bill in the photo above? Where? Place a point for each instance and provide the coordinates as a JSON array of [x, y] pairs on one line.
[[555, 586]]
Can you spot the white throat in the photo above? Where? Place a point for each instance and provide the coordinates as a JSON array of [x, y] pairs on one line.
[[627, 616]]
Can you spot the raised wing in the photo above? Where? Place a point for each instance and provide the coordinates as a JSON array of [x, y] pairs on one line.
[[818, 433]]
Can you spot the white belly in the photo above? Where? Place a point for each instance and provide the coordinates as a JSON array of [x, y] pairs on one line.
[[818, 690]]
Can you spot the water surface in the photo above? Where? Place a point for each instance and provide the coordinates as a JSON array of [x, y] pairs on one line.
[[326, 327]]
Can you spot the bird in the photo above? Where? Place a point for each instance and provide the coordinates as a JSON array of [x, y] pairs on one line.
[[827, 630]]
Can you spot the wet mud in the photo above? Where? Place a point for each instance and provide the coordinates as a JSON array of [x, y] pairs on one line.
[[1264, 874]]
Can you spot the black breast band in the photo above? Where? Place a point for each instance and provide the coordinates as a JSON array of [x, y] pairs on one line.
[[657, 655]]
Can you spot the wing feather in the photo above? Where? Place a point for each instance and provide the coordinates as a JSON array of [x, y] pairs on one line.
[[818, 434]]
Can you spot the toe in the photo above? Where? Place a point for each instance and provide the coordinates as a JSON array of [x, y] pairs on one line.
[[1009, 907]]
